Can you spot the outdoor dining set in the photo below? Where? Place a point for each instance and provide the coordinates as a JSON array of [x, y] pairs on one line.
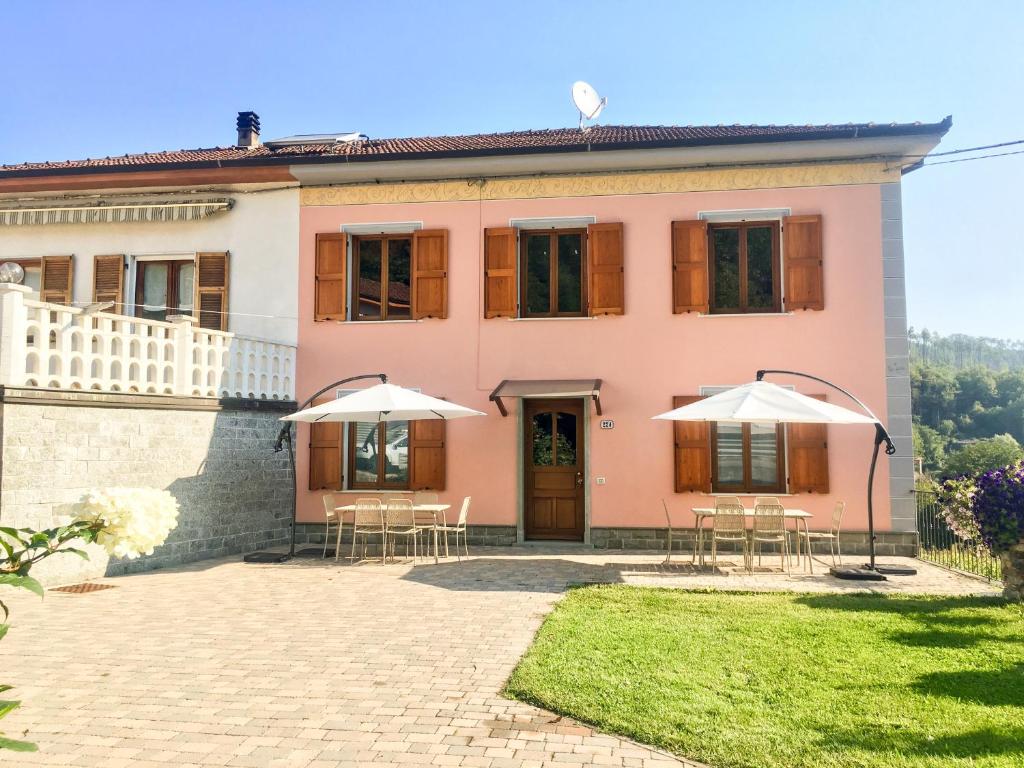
[[420, 522], [767, 525]]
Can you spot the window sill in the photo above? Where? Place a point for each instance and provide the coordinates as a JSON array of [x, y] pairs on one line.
[[371, 491], [744, 314], [547, 319], [375, 322], [766, 493]]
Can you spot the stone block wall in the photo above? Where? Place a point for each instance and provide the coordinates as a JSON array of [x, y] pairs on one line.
[[215, 457], [851, 542]]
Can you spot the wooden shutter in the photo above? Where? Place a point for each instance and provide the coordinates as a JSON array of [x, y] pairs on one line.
[[211, 290], [802, 252], [430, 273], [692, 450], [325, 456], [331, 262], [55, 279], [427, 454], [607, 293], [500, 272], [690, 290], [108, 281], [807, 456]]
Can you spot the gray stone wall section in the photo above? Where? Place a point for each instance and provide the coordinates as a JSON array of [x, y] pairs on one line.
[[234, 492], [897, 362]]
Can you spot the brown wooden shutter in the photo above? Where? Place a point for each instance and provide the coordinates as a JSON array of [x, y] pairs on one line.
[[325, 456], [430, 273], [607, 292], [692, 450], [807, 456], [108, 281], [500, 272], [55, 279], [427, 454], [211, 290], [690, 289], [331, 262], [802, 251]]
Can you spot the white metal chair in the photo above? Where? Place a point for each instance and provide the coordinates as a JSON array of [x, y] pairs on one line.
[[331, 515], [832, 535], [426, 520], [368, 520], [459, 527], [730, 525], [401, 521], [770, 528]]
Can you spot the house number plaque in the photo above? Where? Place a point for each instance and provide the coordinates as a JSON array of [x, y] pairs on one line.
[[607, 424]]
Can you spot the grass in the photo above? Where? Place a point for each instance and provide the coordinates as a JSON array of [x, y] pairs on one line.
[[742, 680]]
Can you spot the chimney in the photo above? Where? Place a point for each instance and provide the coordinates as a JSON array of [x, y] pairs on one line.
[[248, 125]]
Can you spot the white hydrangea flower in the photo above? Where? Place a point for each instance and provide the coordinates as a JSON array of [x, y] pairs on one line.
[[135, 520]]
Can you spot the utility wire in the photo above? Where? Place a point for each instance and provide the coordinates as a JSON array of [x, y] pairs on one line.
[[979, 157]]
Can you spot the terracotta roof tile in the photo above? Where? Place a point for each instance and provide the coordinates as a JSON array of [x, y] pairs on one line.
[[598, 137]]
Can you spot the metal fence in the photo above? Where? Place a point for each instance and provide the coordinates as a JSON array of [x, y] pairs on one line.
[[940, 545]]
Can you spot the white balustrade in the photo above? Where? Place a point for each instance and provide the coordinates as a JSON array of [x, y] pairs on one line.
[[57, 347]]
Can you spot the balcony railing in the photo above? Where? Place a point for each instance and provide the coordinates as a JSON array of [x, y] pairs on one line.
[[58, 347]]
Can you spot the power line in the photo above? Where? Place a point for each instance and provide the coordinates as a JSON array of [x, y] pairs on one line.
[[979, 157], [972, 149]]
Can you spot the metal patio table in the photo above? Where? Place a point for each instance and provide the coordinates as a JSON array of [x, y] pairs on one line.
[[799, 516], [432, 509]]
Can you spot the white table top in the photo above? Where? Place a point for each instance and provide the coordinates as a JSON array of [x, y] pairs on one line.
[[416, 507], [749, 512]]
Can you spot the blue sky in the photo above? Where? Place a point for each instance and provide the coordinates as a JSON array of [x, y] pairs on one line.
[[102, 78]]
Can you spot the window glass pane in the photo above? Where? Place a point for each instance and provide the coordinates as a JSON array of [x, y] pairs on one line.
[[542, 440], [399, 282], [759, 267], [396, 455], [364, 446], [369, 278], [538, 274], [186, 277], [729, 456], [570, 273], [764, 455], [725, 245], [154, 290], [566, 441], [32, 277]]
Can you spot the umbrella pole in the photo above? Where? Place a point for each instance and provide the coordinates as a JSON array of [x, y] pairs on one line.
[[284, 437]]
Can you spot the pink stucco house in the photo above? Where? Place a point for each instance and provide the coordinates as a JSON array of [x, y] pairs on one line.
[[572, 284]]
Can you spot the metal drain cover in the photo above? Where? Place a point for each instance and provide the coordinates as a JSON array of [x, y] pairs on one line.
[[80, 589]]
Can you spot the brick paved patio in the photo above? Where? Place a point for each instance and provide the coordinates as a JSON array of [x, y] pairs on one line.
[[317, 665]]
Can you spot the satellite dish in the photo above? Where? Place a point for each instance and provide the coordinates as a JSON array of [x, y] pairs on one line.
[[587, 101]]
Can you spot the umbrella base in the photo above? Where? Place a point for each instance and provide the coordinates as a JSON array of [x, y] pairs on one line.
[[895, 570], [266, 557], [857, 574]]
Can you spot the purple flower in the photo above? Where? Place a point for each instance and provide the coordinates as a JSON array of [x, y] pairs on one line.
[[998, 505]]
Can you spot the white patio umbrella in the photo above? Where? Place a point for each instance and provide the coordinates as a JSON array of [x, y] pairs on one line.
[[383, 402], [766, 403]]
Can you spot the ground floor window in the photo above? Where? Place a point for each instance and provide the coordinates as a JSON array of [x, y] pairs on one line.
[[378, 455], [747, 458], [164, 288]]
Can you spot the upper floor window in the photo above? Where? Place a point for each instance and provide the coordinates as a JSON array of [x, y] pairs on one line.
[[744, 267], [382, 284], [552, 265], [165, 287]]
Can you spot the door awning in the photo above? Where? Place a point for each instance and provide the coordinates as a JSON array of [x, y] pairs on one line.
[[547, 388], [112, 211]]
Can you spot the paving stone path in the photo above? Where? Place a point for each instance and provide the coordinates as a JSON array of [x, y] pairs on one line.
[[314, 665]]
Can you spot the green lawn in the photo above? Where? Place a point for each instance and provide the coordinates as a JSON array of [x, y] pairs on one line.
[[785, 681]]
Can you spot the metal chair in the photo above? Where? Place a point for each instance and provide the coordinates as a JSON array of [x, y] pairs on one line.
[[420, 498], [368, 520], [331, 514], [770, 528], [401, 521], [730, 524], [459, 527], [832, 535]]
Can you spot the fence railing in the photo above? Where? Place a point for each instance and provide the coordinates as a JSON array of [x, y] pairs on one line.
[[939, 544], [58, 347]]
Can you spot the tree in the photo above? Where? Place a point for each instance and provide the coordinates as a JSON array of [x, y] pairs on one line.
[[975, 386], [933, 390], [983, 456], [930, 447]]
